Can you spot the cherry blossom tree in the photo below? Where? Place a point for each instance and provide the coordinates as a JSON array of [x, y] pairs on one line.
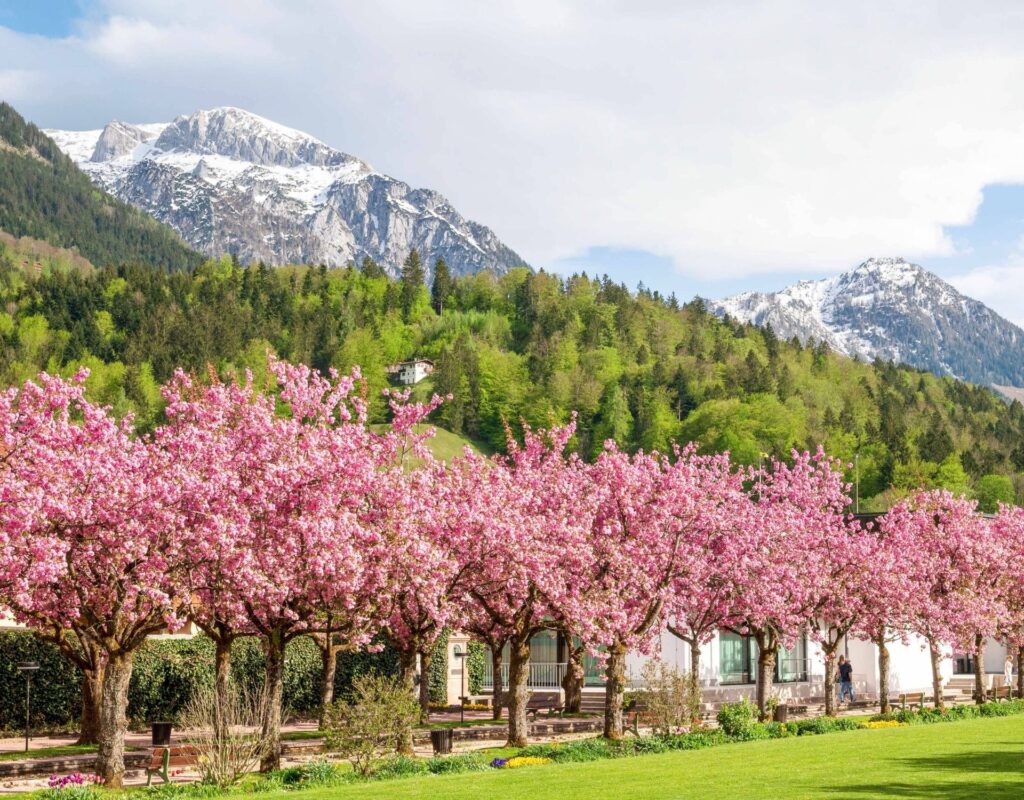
[[793, 504], [1008, 528], [525, 542], [954, 568], [297, 520], [702, 599], [887, 599], [89, 523], [653, 516]]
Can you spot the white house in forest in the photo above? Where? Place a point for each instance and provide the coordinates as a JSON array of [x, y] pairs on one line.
[[411, 372]]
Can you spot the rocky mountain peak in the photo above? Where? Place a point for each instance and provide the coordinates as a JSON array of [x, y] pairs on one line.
[[230, 181], [241, 135], [892, 309]]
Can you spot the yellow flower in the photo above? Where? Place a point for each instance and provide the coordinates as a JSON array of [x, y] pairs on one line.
[[883, 723], [526, 761]]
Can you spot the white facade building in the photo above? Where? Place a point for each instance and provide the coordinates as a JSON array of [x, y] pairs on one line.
[[411, 372], [729, 668]]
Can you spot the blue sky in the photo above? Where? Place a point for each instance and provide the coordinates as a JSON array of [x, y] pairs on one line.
[[724, 147], [53, 18]]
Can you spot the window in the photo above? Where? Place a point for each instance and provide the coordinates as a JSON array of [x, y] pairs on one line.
[[736, 657], [738, 660]]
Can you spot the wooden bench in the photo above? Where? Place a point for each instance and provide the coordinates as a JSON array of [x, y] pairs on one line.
[[166, 757], [908, 700], [551, 702], [637, 714], [1002, 693]]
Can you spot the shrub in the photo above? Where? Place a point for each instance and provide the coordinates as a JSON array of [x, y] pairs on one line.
[[222, 733], [670, 702], [445, 765], [819, 725], [318, 772], [369, 724], [737, 719]]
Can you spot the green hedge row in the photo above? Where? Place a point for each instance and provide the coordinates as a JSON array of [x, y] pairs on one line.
[[166, 671]]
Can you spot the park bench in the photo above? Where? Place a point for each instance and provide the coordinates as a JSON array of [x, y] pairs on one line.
[[909, 700], [1002, 693], [166, 757], [550, 702], [637, 714]]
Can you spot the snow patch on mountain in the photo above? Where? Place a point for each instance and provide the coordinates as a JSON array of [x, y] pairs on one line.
[[891, 309], [231, 181]]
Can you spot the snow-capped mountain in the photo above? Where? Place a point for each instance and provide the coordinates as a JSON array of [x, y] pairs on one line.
[[232, 182], [891, 309]]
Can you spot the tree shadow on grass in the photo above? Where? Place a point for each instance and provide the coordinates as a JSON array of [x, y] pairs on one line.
[[929, 768]]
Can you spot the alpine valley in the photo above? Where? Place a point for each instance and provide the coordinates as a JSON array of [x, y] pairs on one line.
[[892, 310], [229, 181]]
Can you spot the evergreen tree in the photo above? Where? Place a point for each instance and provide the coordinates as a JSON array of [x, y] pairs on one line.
[[371, 269], [412, 283], [442, 286]]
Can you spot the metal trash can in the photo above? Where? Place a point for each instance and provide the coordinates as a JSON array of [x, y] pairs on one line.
[[441, 740], [161, 734], [781, 713]]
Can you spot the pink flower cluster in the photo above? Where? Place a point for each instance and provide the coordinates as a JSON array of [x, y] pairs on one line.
[[74, 779]]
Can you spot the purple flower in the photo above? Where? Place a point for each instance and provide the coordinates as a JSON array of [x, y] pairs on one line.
[[498, 763]]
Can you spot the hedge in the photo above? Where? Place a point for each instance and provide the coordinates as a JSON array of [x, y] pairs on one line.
[[166, 670]]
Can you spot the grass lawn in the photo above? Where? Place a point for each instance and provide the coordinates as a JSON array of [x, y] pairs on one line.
[[978, 758]]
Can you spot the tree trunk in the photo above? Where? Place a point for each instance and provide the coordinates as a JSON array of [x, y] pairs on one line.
[[407, 674], [498, 687], [426, 657], [615, 685], [328, 666], [273, 649], [767, 647], [979, 669], [936, 659], [830, 681], [113, 723], [517, 694], [222, 687], [883, 675], [1020, 671], [92, 695], [694, 661], [572, 683]]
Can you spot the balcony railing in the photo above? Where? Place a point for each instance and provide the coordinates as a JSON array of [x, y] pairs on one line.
[[543, 675]]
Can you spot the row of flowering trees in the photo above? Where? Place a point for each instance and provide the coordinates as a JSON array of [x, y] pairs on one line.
[[280, 514]]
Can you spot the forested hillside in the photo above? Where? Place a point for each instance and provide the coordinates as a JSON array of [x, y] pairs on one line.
[[637, 367], [45, 196]]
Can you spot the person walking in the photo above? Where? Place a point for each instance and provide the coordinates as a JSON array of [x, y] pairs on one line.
[[845, 677]]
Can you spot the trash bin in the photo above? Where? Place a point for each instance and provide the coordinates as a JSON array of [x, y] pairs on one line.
[[161, 734], [441, 740], [781, 713]]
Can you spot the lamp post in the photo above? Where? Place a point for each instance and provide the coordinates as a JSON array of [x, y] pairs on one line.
[[27, 668], [462, 655]]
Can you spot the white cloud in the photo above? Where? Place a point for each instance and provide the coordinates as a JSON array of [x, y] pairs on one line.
[[735, 138]]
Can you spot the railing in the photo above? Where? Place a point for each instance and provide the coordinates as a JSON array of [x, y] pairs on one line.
[[543, 675]]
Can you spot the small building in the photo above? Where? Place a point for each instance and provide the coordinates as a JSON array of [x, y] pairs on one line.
[[411, 372]]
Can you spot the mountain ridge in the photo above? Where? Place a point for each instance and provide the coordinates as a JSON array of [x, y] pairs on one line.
[[891, 309], [44, 196], [230, 181]]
